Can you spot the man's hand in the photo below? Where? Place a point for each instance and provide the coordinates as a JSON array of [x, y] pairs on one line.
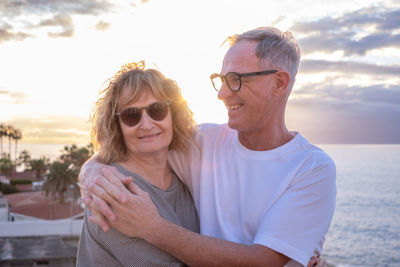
[[99, 185], [138, 218]]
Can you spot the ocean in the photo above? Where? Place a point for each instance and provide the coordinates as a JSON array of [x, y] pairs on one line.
[[365, 229], [51, 151]]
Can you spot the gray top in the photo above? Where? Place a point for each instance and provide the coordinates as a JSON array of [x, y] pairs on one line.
[[97, 248]]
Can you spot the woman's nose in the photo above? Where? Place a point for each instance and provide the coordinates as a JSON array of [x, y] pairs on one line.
[[146, 121]]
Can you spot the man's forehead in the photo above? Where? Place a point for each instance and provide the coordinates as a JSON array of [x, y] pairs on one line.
[[241, 57]]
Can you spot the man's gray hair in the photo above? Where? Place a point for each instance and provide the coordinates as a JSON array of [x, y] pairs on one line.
[[279, 49]]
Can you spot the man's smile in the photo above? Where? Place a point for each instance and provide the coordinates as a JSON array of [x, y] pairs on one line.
[[234, 106]]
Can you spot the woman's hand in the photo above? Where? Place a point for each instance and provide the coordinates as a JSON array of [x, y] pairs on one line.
[[317, 261]]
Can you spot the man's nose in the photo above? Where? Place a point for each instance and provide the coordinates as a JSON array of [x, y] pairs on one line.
[[224, 91]]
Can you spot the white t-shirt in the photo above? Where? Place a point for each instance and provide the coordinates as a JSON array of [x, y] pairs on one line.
[[282, 198]]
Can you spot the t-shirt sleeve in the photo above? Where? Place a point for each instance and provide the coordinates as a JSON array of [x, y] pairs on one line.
[[300, 218]]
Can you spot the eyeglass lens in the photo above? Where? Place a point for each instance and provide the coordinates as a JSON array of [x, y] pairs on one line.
[[232, 80], [132, 116]]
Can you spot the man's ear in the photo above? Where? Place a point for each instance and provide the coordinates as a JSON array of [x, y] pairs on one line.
[[282, 81]]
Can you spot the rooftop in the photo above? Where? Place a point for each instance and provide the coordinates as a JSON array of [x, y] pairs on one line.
[[38, 251], [35, 204], [25, 175]]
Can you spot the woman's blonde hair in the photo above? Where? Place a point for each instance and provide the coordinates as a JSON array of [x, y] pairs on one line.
[[132, 80]]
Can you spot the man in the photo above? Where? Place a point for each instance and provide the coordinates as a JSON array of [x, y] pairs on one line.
[[265, 196]]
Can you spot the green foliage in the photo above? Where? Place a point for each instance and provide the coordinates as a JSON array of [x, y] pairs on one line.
[[8, 189], [59, 179], [40, 166], [77, 156], [6, 165], [63, 173], [20, 181], [13, 134], [24, 158]]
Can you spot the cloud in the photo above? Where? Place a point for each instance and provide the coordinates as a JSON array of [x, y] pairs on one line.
[[312, 66], [278, 20], [387, 97], [327, 113], [331, 42], [22, 7], [323, 125], [102, 25], [18, 16], [8, 97], [335, 110], [6, 35], [354, 33], [53, 129], [62, 20]]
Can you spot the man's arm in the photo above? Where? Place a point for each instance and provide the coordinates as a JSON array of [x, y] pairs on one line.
[[198, 250], [140, 218]]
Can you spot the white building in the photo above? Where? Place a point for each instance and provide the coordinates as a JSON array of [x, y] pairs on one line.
[[4, 213]]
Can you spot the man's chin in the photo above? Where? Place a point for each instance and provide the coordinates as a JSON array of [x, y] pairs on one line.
[[233, 124]]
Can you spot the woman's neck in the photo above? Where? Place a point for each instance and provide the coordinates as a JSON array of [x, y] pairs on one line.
[[153, 167]]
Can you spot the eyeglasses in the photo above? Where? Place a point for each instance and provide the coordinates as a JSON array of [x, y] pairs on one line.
[[132, 116], [234, 80]]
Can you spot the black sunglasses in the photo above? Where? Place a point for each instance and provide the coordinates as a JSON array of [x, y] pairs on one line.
[[132, 116], [233, 79]]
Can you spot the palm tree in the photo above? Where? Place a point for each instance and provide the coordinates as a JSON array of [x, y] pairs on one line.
[[77, 156], [60, 177], [64, 172], [40, 166], [3, 132], [10, 133], [17, 136], [6, 165]]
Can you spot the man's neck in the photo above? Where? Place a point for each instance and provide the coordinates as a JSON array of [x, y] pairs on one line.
[[265, 139]]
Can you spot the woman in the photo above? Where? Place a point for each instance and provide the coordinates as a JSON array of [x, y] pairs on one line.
[[140, 116]]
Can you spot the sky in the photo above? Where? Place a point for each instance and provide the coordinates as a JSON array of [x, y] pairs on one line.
[[56, 56]]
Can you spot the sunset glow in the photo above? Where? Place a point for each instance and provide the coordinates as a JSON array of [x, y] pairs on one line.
[[55, 58]]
